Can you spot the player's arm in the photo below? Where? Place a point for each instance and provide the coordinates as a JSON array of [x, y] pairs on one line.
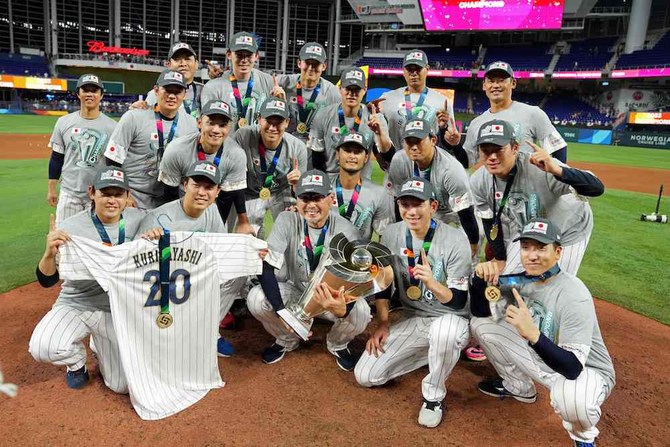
[[460, 200], [549, 136], [47, 269], [375, 344], [56, 162]]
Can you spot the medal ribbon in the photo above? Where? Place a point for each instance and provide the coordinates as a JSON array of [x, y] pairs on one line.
[[410, 250], [409, 115], [314, 253], [519, 279], [342, 208], [164, 270], [203, 157], [343, 126], [103, 233], [426, 173], [503, 201], [242, 103], [268, 174], [159, 129], [304, 110]]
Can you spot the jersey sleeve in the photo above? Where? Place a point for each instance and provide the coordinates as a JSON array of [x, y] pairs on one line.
[[57, 142], [458, 263], [119, 142], [469, 145], [279, 239], [396, 175], [457, 186], [208, 92], [545, 132], [236, 177], [236, 254], [555, 185], [575, 331], [383, 215], [170, 168], [151, 99], [479, 194], [316, 141], [85, 259]]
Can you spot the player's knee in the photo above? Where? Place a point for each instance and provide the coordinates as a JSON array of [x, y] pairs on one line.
[[570, 400], [481, 329], [363, 373], [39, 348], [450, 329], [360, 316], [257, 303]]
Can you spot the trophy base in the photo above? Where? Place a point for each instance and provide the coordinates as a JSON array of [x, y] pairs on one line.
[[300, 327]]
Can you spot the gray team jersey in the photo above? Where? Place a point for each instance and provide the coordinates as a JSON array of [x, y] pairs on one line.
[[534, 193], [84, 294], [248, 138], [328, 95], [172, 216], [530, 123], [450, 260], [287, 244], [134, 144], [325, 132], [222, 89], [448, 177], [83, 142], [564, 312], [396, 114], [183, 152], [191, 104], [372, 210]]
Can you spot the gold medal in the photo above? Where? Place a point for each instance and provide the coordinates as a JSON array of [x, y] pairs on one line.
[[494, 232], [492, 293], [242, 122], [164, 320], [264, 194], [413, 293], [301, 128]]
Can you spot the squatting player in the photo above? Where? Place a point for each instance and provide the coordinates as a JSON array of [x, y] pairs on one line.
[[550, 335], [432, 264], [82, 308]]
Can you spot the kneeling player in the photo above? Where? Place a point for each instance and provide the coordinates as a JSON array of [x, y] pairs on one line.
[[431, 266], [82, 307], [552, 337]]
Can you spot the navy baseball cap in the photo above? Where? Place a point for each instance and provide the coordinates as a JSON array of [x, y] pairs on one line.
[[171, 77], [359, 139], [415, 57], [111, 176], [216, 107], [243, 41], [353, 76], [313, 182], [205, 169], [417, 128], [501, 68], [89, 79], [496, 132], [274, 106], [181, 47], [313, 50], [417, 187], [541, 230]]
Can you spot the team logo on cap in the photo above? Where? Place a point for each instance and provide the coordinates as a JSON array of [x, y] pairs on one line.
[[112, 174], [180, 46], [415, 55], [414, 125], [354, 137], [174, 76], [207, 168], [314, 49], [244, 40], [536, 227], [277, 105], [90, 78], [220, 105], [313, 179], [413, 185], [499, 66], [354, 74], [493, 129]]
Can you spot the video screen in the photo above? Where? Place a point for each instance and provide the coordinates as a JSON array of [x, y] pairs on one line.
[[657, 118], [472, 15]]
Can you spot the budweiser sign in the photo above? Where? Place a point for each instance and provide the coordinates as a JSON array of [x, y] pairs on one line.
[[96, 46]]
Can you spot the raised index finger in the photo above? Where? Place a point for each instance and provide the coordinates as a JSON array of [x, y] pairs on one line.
[[294, 161], [519, 300], [424, 257], [274, 80]]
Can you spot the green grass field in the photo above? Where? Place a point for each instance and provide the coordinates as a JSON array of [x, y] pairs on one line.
[[623, 264]]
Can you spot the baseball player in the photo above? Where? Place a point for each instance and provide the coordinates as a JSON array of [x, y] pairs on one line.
[[349, 116], [275, 160], [82, 308], [422, 158], [549, 335], [514, 187], [77, 144], [141, 137], [212, 144], [357, 199], [307, 92], [182, 58], [432, 265], [530, 123], [243, 87], [297, 240]]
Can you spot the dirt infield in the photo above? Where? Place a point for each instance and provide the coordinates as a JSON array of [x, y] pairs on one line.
[[23, 146], [307, 400], [628, 178]]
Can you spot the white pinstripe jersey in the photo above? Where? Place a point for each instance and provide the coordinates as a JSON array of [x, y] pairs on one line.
[[167, 369]]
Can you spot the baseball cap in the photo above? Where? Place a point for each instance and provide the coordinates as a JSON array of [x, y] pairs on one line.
[[415, 57], [417, 187], [496, 132], [205, 169], [313, 50], [243, 41], [418, 128], [353, 76], [181, 46], [313, 181], [541, 230], [108, 176], [353, 138], [500, 66], [171, 77], [216, 107], [89, 79], [274, 106]]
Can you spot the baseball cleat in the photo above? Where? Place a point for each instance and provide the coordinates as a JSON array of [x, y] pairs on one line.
[[77, 379], [495, 388], [430, 414], [224, 348], [274, 353], [345, 359]]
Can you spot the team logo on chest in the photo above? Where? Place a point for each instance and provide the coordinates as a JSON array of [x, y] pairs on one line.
[[88, 144]]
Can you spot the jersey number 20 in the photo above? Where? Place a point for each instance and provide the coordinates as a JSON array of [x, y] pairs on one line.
[[179, 274]]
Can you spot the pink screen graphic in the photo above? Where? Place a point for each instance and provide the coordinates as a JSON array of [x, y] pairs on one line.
[[452, 15]]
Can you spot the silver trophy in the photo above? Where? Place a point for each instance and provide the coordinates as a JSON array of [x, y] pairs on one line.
[[363, 268]]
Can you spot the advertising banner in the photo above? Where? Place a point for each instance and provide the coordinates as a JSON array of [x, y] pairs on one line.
[[26, 82], [569, 134], [645, 139], [591, 136], [406, 12]]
